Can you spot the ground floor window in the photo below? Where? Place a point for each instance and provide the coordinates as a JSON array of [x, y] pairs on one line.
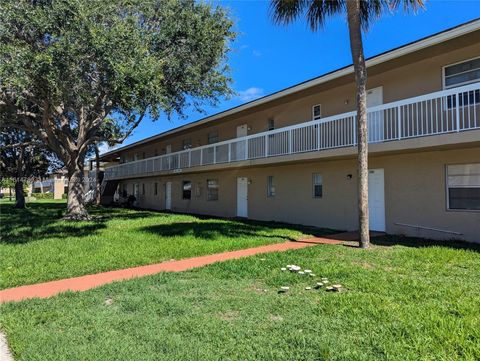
[[155, 189], [143, 189], [187, 190], [463, 186], [270, 186], [212, 189], [317, 185]]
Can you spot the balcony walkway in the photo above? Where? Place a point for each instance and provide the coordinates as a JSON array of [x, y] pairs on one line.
[[445, 112]]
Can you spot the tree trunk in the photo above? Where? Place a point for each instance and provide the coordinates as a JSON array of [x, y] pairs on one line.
[[19, 195], [360, 69], [75, 198], [97, 176]]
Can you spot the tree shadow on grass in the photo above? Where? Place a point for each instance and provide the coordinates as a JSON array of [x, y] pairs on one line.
[[394, 240], [44, 220], [213, 230]]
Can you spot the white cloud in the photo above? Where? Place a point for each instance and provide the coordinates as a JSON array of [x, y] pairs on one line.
[[257, 53], [250, 94], [104, 148]]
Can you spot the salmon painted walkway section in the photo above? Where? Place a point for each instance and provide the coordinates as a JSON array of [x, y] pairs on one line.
[[83, 283]]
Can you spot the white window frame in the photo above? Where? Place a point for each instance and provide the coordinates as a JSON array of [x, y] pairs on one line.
[[208, 190], [271, 190], [184, 182], [447, 198], [460, 84], [271, 124], [314, 184], [313, 112], [217, 136], [186, 143]]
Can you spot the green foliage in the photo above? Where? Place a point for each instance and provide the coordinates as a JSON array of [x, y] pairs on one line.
[[79, 72], [7, 182], [23, 156], [42, 195], [64, 195], [120, 58]]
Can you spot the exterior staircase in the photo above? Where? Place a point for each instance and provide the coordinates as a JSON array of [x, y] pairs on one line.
[[107, 190]]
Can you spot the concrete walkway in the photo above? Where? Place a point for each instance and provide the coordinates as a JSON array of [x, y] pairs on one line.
[[83, 283], [5, 354]]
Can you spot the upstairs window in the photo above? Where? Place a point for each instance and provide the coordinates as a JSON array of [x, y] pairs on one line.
[[187, 143], [270, 186], [212, 190], [317, 185], [187, 190], [463, 73], [212, 137], [316, 112], [463, 187], [271, 124]]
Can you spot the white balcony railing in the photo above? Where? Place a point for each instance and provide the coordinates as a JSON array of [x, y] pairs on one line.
[[446, 111]]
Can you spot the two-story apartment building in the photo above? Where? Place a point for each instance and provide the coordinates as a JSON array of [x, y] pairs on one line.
[[291, 156]]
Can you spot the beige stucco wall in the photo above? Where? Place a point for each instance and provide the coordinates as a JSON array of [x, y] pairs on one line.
[[414, 175], [414, 193], [411, 75], [58, 188]]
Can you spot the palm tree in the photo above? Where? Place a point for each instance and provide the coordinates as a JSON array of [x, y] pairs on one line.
[[359, 16]]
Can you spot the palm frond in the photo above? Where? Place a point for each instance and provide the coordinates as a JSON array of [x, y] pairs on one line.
[[287, 11], [413, 5], [319, 10]]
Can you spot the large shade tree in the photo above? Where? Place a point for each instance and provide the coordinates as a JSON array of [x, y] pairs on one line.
[[68, 66], [23, 158], [359, 15]]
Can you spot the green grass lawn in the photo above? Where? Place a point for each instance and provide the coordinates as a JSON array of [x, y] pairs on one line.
[[37, 245], [403, 302]]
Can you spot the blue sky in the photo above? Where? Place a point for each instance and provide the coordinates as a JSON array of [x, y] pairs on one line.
[[267, 58]]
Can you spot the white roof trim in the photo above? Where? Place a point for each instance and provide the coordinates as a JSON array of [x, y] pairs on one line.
[[389, 55]]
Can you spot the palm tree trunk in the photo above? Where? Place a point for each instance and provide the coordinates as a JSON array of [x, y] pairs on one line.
[[360, 69]]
